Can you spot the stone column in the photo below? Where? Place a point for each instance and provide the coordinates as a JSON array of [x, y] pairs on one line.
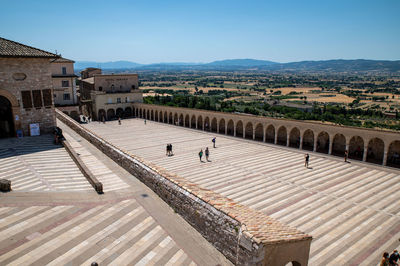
[[365, 152], [244, 131], [301, 142], [264, 135], [330, 146], [196, 124], [254, 133], [287, 140], [385, 154], [315, 144], [276, 137], [226, 129], [234, 130], [347, 145], [217, 126]]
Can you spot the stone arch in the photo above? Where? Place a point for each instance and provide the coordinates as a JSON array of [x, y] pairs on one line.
[[207, 124], [200, 122], [176, 121], [193, 122], [308, 140], [230, 130], [214, 125], [239, 129], [128, 112], [294, 138], [259, 132], [248, 133], [120, 112], [181, 122], [166, 117], [110, 114], [338, 145], [156, 115], [152, 115], [187, 121], [375, 151], [222, 126], [393, 158], [7, 128], [101, 115], [356, 148], [270, 134], [282, 136], [323, 142]]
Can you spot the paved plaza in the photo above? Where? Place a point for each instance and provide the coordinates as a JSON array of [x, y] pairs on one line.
[[53, 216], [352, 210]]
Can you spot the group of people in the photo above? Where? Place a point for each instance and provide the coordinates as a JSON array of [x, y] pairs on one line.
[[169, 150], [206, 151], [390, 260]]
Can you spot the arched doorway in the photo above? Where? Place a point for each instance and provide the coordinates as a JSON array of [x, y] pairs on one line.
[[207, 124], [249, 131], [7, 128], [356, 148], [375, 151], [214, 125], [140, 113], [148, 115], [222, 126], [156, 116], [294, 138], [239, 129], [270, 134], [170, 118], [165, 117], [394, 154], [176, 121], [308, 140], [282, 136], [120, 112], [102, 115], [128, 112], [200, 122], [193, 122], [110, 114], [338, 145], [152, 115], [259, 132], [323, 142], [187, 121], [231, 128], [181, 122]]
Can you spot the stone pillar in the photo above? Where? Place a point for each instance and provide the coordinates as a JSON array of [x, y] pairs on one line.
[[264, 135], [254, 133], [301, 142], [244, 131], [217, 126], [234, 130], [196, 124], [287, 140], [347, 145], [276, 137], [315, 144], [365, 152], [226, 129], [385, 154], [330, 146]]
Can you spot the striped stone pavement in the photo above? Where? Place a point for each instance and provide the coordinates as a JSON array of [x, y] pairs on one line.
[[351, 209], [122, 233], [36, 164]]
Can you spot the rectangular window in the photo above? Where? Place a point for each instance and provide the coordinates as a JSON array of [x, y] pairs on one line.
[[47, 101], [65, 83], [64, 70], [26, 99], [100, 88], [37, 98], [109, 100], [126, 99], [118, 100], [66, 97]]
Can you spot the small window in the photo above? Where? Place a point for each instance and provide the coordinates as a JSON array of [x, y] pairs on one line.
[[133, 87], [112, 87], [64, 70], [47, 97], [109, 100], [37, 98], [126, 99], [66, 97], [100, 88], [26, 99], [65, 83], [118, 100]]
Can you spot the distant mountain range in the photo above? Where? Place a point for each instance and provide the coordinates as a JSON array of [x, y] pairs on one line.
[[339, 65]]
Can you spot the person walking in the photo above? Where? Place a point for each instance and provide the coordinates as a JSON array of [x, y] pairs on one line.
[[385, 259], [145, 121], [346, 155], [394, 257], [207, 153], [307, 159], [171, 153], [119, 120], [201, 154], [167, 150], [213, 141]]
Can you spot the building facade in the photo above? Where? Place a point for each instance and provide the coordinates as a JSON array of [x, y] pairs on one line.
[[64, 82], [26, 89], [110, 96]]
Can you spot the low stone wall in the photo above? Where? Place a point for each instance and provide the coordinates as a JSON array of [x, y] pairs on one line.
[[244, 236]]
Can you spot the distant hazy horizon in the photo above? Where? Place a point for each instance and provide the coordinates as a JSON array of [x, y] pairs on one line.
[[204, 31]]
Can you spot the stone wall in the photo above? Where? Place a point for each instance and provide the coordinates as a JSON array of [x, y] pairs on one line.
[[244, 236], [19, 74]]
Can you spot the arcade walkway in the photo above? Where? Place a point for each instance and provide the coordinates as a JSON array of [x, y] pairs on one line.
[[352, 210]]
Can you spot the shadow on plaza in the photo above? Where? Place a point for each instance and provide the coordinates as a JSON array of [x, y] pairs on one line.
[[10, 147]]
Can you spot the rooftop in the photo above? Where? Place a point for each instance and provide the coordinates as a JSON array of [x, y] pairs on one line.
[[14, 49]]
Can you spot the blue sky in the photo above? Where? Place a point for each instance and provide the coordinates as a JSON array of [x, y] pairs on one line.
[[203, 31]]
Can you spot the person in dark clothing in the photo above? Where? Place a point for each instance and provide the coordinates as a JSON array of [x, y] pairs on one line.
[[394, 257], [201, 154], [213, 141], [307, 160], [207, 153]]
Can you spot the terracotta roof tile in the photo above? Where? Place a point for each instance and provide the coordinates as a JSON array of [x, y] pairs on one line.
[[14, 49]]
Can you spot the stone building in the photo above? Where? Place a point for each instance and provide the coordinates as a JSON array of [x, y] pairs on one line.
[[64, 82], [90, 72], [26, 89], [109, 96]]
